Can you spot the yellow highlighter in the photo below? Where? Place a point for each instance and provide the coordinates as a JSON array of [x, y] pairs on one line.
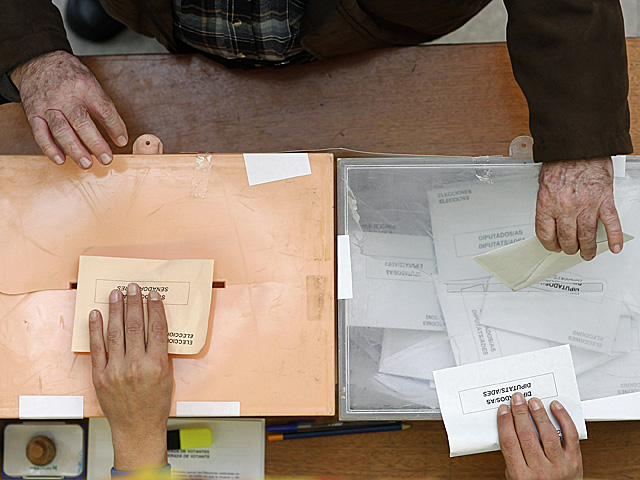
[[189, 438]]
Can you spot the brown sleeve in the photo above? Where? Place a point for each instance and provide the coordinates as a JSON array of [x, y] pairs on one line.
[[570, 59], [28, 28]]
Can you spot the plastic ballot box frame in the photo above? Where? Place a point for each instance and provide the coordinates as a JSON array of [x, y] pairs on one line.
[[271, 339]]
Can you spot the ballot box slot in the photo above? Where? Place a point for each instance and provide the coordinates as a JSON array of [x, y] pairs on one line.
[[218, 285]]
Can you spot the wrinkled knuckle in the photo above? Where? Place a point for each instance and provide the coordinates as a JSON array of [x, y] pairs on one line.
[[519, 411], [56, 121], [510, 443], [158, 327], [114, 335], [79, 117], [529, 442], [134, 327], [106, 111]]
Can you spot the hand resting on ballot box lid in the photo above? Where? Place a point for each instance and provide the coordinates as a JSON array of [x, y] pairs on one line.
[[529, 457], [133, 382]]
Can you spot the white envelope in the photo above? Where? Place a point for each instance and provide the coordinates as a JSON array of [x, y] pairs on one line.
[[468, 219], [393, 282], [415, 393], [471, 340], [580, 307], [619, 376], [524, 263], [470, 395], [413, 353]]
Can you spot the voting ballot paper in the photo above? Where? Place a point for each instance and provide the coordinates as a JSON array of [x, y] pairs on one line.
[[470, 395], [184, 286], [469, 219], [393, 282]]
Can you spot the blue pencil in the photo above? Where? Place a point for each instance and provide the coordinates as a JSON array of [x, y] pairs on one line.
[[337, 431]]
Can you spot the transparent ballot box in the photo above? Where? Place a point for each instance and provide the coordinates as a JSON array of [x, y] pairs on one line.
[[421, 302]]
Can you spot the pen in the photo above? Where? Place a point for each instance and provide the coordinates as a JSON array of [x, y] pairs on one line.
[[288, 427], [305, 426], [337, 431]]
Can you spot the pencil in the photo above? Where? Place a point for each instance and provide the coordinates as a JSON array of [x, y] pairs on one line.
[[306, 426], [337, 431]]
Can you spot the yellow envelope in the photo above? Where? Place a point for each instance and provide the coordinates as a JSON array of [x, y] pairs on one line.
[[524, 263], [183, 285]]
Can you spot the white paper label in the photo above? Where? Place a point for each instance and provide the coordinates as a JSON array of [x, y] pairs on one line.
[[50, 407], [207, 409]]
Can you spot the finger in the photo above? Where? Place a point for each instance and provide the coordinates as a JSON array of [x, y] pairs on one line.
[[157, 342], [115, 329], [45, 141], [587, 228], [546, 232], [529, 442], [96, 342], [569, 431], [84, 127], [568, 234], [103, 109], [67, 139], [509, 443], [609, 217], [548, 433], [134, 322]]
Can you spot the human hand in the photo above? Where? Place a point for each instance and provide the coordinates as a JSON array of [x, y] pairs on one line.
[[134, 383], [572, 196], [530, 458], [59, 95]]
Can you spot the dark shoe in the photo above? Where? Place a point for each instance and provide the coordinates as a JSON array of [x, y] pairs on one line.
[[88, 19]]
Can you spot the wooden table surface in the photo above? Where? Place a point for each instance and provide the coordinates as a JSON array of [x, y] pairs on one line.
[[459, 99]]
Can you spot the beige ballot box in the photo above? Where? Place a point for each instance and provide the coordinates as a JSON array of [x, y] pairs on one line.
[[270, 344]]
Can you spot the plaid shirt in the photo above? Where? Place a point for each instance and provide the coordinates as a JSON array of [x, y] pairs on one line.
[[262, 30]]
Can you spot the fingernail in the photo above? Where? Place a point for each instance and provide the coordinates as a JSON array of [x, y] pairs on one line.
[[121, 141], [503, 410], [105, 158], [535, 404], [113, 297], [588, 258], [85, 162], [93, 316], [132, 289], [557, 405], [616, 249], [517, 399], [58, 159], [153, 295]]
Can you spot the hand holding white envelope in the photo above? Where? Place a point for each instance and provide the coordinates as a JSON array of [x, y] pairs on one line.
[[470, 395], [524, 263]]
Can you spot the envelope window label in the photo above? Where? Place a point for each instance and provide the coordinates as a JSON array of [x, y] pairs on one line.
[[492, 396], [475, 243], [398, 268], [172, 293]]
